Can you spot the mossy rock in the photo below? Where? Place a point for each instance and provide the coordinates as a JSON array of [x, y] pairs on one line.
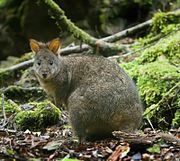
[[9, 106], [44, 114]]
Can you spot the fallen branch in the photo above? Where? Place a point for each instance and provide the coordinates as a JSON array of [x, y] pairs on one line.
[[127, 32], [74, 49], [67, 25], [22, 65], [150, 43], [146, 139], [20, 88], [132, 30]]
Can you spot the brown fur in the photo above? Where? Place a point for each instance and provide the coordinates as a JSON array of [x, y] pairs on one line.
[[98, 94]]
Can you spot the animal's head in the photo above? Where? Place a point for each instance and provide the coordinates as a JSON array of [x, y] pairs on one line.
[[46, 60]]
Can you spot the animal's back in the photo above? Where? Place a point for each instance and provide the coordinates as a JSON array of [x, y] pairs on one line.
[[103, 98]]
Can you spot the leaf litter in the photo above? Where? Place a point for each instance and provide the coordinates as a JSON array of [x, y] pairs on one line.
[[58, 143]]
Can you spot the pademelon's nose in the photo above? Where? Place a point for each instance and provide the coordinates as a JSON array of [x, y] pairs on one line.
[[44, 75]]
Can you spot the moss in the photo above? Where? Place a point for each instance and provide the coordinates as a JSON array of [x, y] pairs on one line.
[[156, 74], [10, 106], [169, 47], [158, 86], [153, 79], [176, 120], [24, 57], [6, 77], [23, 94], [44, 114], [161, 20], [163, 25]]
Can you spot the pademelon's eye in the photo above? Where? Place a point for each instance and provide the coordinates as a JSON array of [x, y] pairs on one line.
[[39, 63], [51, 63]]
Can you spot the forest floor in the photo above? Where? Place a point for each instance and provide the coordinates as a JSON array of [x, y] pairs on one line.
[[57, 143]]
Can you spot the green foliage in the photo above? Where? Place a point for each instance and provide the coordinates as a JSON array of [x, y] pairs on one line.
[[153, 80], [156, 74], [169, 48], [161, 27], [154, 149], [44, 114], [68, 159], [9, 106], [158, 86], [24, 57], [176, 120], [161, 20], [2, 3], [6, 77]]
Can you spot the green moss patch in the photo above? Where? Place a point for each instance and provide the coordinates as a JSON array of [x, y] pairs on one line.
[[25, 57], [156, 74], [9, 106], [44, 114], [168, 47], [6, 77], [158, 84], [161, 20]]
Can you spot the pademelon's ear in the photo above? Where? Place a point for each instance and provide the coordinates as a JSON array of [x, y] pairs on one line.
[[34, 45], [54, 45]]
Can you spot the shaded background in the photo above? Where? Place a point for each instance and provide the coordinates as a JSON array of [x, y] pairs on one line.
[[24, 19]]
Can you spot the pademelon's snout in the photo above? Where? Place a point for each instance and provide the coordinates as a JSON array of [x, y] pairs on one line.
[[44, 75]]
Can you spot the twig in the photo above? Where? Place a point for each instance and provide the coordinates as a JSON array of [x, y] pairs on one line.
[[150, 123], [9, 88], [3, 108], [3, 112], [74, 49], [5, 120], [7, 131]]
